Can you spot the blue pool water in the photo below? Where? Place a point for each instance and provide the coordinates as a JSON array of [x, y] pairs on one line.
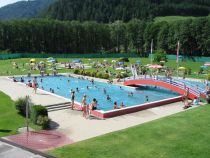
[[63, 84]]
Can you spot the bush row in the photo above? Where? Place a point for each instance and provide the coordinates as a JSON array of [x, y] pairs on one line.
[[92, 74], [37, 113]]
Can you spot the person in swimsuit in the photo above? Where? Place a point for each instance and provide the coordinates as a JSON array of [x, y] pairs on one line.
[[84, 106], [115, 105], [72, 99], [147, 98], [93, 105], [122, 105], [35, 84], [108, 98]]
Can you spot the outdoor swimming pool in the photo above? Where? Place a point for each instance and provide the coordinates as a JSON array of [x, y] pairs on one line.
[[63, 84]]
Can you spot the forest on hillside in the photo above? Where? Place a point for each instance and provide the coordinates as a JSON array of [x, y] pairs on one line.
[[53, 36], [111, 10], [24, 9]]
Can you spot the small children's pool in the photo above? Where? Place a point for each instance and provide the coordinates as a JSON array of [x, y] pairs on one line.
[[63, 84]]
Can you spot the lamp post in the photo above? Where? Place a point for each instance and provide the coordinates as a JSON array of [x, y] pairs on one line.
[[177, 59], [27, 112]]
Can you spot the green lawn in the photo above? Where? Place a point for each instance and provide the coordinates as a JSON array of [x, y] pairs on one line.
[[8, 69], [173, 18], [10, 120], [182, 135]]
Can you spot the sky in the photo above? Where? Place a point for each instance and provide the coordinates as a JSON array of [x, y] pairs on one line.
[[5, 2]]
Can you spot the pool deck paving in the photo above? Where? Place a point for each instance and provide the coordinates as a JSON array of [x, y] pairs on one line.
[[74, 125]]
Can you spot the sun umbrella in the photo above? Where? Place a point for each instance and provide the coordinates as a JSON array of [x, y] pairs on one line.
[[204, 67], [51, 61], [77, 61], [33, 60], [120, 68], [207, 64], [155, 66], [114, 61], [120, 63], [162, 61], [138, 62], [41, 62], [181, 68], [50, 58]]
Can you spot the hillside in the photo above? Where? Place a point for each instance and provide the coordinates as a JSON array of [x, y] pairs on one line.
[[125, 10], [24, 9]]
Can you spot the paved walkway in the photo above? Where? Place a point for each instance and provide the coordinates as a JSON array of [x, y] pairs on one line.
[[74, 125], [11, 150]]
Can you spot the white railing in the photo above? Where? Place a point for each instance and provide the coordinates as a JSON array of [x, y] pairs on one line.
[[196, 90]]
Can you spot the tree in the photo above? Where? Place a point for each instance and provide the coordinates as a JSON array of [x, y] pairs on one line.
[[160, 55]]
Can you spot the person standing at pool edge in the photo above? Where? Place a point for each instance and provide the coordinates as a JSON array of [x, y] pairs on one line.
[[35, 84], [84, 106], [72, 99]]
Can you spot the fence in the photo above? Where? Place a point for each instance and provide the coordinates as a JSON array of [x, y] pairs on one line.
[[98, 55]]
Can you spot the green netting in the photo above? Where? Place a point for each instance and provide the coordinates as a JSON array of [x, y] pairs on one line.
[[190, 58], [98, 55]]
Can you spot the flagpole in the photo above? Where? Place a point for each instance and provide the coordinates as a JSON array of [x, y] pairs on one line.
[[151, 51], [177, 59]]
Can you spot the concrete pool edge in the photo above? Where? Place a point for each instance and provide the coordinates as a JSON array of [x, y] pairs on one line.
[[117, 112]]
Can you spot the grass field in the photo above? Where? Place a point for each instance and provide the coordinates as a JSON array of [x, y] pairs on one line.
[[6, 67], [182, 135], [10, 120], [173, 18]]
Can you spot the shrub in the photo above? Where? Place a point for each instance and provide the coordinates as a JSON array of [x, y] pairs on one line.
[[119, 76], [20, 105], [106, 76], [123, 60], [125, 75], [43, 121], [200, 71], [36, 111], [160, 55], [143, 70], [189, 71], [88, 73], [82, 72], [99, 75], [208, 77], [93, 74], [76, 71]]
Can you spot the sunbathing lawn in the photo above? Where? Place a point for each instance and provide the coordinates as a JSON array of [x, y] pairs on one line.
[[7, 67], [182, 135], [10, 120]]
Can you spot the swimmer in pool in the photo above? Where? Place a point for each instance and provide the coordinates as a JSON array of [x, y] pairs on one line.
[[108, 98], [104, 91], [146, 98]]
